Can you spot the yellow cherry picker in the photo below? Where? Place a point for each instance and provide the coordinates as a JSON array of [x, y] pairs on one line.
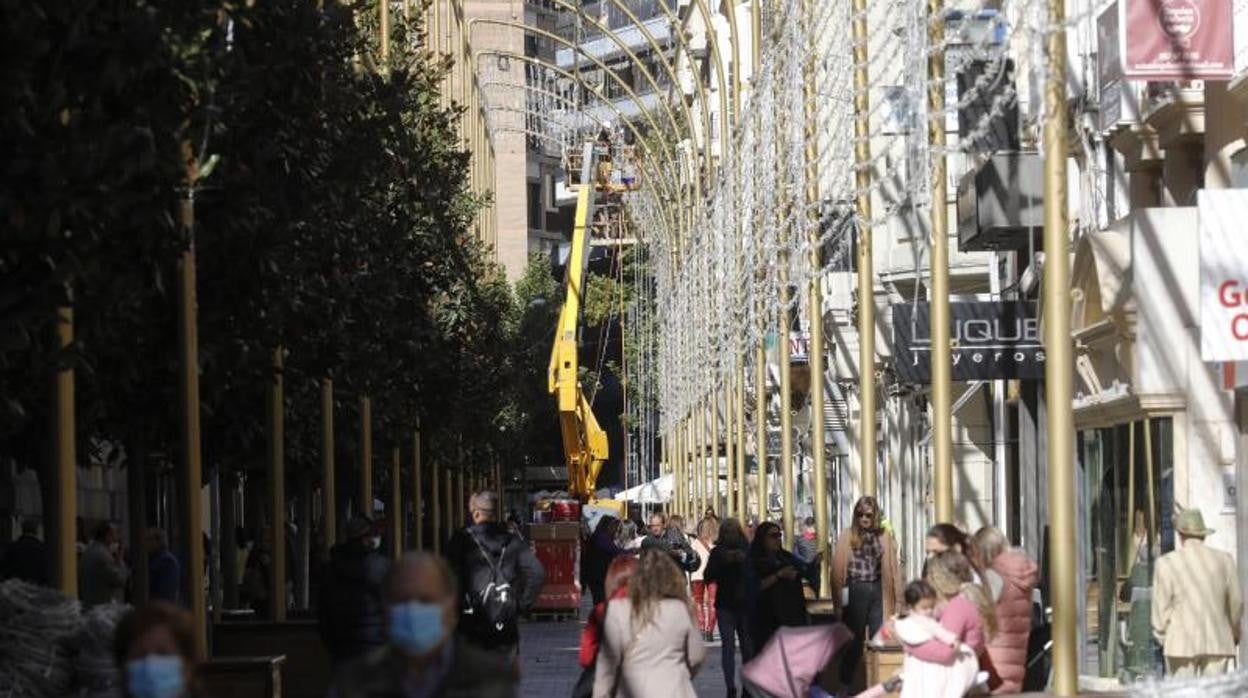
[[605, 174]]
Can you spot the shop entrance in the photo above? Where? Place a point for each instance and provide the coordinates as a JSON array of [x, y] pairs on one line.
[[1128, 478]]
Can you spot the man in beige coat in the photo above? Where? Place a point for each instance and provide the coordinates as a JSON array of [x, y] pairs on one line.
[[1196, 602]]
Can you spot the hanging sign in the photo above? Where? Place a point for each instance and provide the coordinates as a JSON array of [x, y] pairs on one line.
[[991, 340], [1177, 39], [1223, 274]]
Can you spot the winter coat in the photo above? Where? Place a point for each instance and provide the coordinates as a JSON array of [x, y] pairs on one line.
[[726, 567], [892, 585], [704, 554], [1196, 602], [351, 610], [164, 577], [1007, 650], [657, 659], [26, 559], [598, 553], [676, 544], [517, 565], [591, 635], [472, 673], [101, 578]]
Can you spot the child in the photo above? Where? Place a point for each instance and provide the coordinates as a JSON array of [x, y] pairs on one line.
[[922, 678]]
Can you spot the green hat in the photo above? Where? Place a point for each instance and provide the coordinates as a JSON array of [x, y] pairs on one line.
[[1191, 523]]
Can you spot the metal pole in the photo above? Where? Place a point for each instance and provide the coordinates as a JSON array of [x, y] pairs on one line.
[[435, 509], [418, 494], [939, 317], [699, 457], [1059, 366], [366, 457], [461, 502], [787, 483], [188, 378], [866, 263], [329, 495], [818, 439], [448, 495], [730, 443], [384, 30], [396, 504], [277, 488], [712, 499], [65, 456], [760, 425], [739, 408]]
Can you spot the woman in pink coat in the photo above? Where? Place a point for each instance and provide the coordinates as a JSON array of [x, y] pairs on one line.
[[1010, 576], [968, 613]]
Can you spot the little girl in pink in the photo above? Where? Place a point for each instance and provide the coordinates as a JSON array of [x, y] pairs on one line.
[[921, 677]]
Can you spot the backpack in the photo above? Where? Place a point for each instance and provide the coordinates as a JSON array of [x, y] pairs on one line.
[[495, 606]]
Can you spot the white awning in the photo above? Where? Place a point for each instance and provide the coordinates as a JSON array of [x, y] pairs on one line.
[[658, 491]]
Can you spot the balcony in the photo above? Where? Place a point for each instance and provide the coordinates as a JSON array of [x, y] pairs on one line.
[[1176, 111]]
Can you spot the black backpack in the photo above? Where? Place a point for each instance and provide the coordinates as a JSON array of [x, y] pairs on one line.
[[493, 606]]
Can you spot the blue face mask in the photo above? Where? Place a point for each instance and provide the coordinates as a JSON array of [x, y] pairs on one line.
[[155, 676], [416, 627]]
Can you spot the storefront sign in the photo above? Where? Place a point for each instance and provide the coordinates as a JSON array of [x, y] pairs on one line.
[[1177, 39], [991, 340], [1223, 275]]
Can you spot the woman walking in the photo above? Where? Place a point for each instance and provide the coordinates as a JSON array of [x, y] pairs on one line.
[[621, 570], [726, 569], [650, 643], [600, 550], [703, 589], [866, 581], [775, 575], [1009, 577]]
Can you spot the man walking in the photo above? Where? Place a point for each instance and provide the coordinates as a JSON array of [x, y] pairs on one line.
[[669, 537], [351, 608], [1196, 602], [101, 573], [423, 656], [499, 577], [164, 573], [26, 558]]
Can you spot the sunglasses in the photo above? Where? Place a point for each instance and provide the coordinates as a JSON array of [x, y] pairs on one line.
[[866, 514], [775, 534]]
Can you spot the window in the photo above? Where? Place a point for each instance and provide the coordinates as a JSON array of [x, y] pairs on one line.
[[535, 205]]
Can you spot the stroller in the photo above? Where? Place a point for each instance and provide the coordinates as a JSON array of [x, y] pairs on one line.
[[786, 667]]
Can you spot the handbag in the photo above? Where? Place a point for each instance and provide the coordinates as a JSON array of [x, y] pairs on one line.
[[584, 687]]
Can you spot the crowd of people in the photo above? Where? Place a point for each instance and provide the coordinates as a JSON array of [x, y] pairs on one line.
[[429, 625]]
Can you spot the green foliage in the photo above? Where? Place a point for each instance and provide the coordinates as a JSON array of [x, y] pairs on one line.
[[334, 222]]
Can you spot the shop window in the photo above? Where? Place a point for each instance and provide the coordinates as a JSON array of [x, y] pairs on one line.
[[1239, 169], [1128, 478]]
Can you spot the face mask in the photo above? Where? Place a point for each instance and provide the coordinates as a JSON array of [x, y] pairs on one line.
[[374, 543], [155, 676], [416, 627]]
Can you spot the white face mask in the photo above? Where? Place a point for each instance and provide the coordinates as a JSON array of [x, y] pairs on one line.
[[374, 543]]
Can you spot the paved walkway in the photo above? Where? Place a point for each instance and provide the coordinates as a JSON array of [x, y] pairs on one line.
[[548, 666]]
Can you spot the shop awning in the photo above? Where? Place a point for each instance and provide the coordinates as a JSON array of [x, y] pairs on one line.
[[657, 491]]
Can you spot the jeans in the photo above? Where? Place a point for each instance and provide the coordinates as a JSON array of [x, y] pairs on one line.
[[864, 612], [732, 630]]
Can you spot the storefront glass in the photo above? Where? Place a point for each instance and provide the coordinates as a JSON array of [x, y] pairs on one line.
[[1128, 478]]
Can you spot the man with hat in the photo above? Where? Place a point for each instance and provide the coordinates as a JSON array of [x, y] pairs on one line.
[[351, 611], [1196, 602]]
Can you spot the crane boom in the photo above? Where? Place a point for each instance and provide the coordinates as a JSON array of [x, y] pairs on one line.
[[584, 441]]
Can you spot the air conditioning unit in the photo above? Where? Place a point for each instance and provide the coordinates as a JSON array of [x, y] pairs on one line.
[[1001, 207]]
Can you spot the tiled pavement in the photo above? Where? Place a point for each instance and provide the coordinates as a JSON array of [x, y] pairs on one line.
[[548, 666]]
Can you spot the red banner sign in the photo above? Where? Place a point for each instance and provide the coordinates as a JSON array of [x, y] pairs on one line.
[[1178, 40]]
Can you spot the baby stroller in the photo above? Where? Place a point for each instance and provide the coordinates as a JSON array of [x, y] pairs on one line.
[[786, 667]]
